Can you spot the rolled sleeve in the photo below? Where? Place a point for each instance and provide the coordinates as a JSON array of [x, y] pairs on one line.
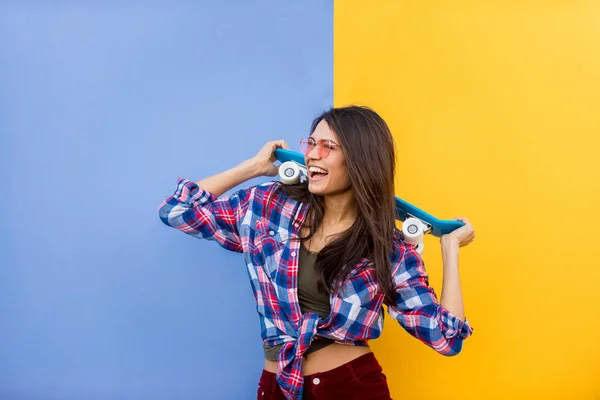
[[417, 309], [202, 215], [189, 193]]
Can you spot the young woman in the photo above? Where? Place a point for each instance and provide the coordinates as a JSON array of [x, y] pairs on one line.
[[324, 256]]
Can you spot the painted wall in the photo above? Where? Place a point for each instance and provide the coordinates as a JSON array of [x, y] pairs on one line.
[[103, 105], [494, 107]]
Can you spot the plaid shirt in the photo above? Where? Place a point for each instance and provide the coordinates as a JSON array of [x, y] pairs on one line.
[[241, 223]]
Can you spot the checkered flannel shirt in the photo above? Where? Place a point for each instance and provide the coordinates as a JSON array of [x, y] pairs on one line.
[[242, 223]]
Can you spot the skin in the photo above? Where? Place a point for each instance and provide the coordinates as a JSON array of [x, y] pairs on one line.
[[340, 213]]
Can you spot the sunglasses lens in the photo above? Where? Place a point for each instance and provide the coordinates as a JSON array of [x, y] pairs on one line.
[[323, 150], [307, 145]]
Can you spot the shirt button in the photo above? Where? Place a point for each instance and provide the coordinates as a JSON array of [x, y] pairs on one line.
[[271, 233], [291, 290], [296, 225], [316, 381], [293, 254]]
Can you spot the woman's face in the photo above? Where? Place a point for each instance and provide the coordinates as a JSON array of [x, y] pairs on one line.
[[335, 179]]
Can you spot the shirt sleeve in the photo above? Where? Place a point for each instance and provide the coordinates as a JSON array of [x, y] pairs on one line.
[[202, 215], [417, 308]]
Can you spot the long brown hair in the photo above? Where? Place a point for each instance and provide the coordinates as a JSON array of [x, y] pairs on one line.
[[368, 148]]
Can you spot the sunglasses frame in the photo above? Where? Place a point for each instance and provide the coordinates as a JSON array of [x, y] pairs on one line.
[[324, 146]]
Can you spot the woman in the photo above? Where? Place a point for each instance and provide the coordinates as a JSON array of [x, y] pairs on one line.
[[324, 256]]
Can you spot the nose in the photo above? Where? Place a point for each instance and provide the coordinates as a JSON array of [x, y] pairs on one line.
[[314, 153]]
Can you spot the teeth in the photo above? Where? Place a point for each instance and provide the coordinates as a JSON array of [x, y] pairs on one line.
[[317, 169]]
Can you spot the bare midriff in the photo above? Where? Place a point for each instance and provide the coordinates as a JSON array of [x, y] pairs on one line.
[[326, 358]]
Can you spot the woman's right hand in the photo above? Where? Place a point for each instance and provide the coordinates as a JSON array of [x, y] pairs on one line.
[[264, 159]]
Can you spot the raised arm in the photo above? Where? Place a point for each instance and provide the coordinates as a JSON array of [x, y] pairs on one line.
[[197, 210]]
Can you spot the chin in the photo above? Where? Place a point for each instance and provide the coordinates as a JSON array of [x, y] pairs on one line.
[[316, 189], [327, 191], [318, 192]]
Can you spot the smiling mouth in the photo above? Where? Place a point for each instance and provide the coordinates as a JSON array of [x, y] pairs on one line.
[[317, 174]]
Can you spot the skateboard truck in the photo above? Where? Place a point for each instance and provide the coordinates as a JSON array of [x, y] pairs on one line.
[[413, 230], [427, 225]]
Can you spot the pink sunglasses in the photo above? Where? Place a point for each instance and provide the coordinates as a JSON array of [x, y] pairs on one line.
[[324, 146]]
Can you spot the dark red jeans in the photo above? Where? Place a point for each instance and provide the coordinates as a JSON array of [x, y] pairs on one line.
[[360, 379]]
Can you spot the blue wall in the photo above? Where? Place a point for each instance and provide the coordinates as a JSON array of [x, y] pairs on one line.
[[103, 105]]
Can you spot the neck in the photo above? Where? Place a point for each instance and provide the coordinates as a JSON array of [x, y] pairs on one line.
[[339, 208]]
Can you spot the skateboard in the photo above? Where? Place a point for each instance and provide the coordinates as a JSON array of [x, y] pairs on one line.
[[416, 223]]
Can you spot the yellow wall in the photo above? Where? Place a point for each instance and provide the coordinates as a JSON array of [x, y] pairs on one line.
[[495, 107]]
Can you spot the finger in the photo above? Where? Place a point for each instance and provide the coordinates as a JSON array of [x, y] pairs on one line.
[[465, 222], [274, 145], [281, 143]]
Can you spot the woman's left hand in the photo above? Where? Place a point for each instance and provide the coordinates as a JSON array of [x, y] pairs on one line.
[[461, 236]]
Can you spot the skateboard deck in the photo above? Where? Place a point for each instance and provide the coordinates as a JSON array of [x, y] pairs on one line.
[[436, 227]]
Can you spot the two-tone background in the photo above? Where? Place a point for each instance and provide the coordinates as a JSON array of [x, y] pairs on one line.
[[103, 105]]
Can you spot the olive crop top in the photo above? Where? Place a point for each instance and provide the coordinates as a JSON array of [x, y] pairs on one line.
[[310, 299]]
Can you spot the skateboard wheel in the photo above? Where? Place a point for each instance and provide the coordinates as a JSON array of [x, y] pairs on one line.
[[413, 231], [289, 173]]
